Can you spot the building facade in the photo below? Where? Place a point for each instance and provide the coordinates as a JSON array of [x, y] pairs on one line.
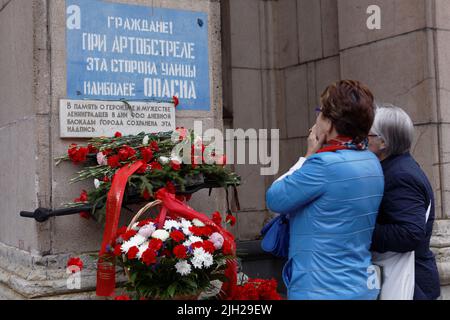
[[269, 61]]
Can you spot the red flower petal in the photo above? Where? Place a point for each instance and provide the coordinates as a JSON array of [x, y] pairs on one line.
[[180, 251], [75, 261], [176, 101], [132, 252], [230, 219]]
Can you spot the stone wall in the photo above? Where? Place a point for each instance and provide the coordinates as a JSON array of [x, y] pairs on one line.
[[33, 80]]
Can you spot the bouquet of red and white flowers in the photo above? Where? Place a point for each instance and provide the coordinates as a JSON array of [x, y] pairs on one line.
[[103, 157], [171, 258]]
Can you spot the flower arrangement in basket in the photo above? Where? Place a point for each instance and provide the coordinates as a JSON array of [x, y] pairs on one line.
[[172, 257]]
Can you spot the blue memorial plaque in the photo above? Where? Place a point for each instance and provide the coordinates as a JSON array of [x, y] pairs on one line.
[[137, 53]]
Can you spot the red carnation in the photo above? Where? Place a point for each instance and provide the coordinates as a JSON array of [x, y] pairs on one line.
[[166, 253], [126, 152], [142, 169], [180, 251], [123, 297], [127, 235], [226, 249], [117, 134], [83, 197], [75, 261], [146, 195], [117, 250], [85, 215], [208, 246], [154, 146], [92, 149], [177, 236], [77, 155], [217, 218], [113, 161], [106, 179], [147, 154], [170, 187], [144, 222], [230, 219], [176, 101], [156, 165], [149, 257], [121, 230], [201, 231], [123, 154], [132, 252], [175, 165], [155, 244]]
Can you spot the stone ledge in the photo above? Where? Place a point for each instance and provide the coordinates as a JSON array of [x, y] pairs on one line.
[[28, 276], [445, 293], [441, 234]]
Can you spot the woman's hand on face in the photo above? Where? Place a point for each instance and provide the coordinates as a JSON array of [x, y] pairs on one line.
[[315, 141]]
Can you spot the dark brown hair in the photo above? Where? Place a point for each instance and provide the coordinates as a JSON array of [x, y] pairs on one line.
[[350, 106]]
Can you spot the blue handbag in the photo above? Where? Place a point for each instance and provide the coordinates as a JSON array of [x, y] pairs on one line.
[[276, 236]]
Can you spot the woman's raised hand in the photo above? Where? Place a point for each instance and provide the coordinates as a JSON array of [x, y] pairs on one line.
[[315, 141]]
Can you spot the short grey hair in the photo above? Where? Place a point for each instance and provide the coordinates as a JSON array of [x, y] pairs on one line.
[[395, 127]]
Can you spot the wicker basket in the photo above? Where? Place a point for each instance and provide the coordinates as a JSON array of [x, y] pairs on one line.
[[162, 219]]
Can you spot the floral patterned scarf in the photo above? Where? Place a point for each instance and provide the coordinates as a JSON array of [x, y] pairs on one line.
[[344, 143]]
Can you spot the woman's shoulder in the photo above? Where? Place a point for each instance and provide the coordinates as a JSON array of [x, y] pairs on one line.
[[404, 170], [343, 156]]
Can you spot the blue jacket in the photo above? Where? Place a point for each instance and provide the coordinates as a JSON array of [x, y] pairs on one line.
[[401, 223], [333, 203]]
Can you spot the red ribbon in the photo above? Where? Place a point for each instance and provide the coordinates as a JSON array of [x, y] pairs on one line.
[[106, 271]]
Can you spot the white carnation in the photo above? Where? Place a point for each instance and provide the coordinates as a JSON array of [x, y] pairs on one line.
[[97, 183], [201, 258], [135, 241], [197, 263], [169, 224], [187, 232], [198, 223], [161, 234], [142, 248], [194, 239], [164, 160], [185, 224], [145, 140], [208, 260], [183, 267]]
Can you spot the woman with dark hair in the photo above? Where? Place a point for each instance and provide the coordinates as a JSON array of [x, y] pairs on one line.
[[332, 196], [405, 221]]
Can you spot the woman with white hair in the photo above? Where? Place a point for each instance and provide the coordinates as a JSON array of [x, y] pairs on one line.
[[406, 215]]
